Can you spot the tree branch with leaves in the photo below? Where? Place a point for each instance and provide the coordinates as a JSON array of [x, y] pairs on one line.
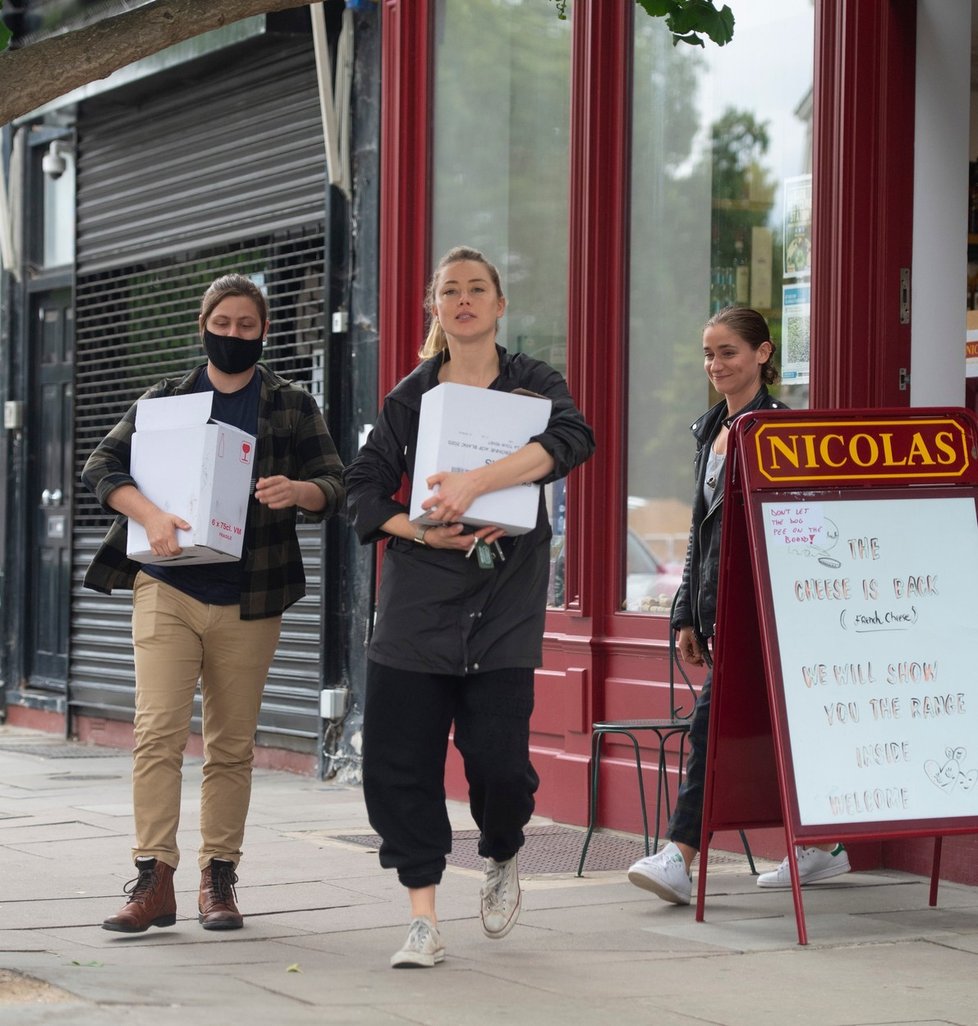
[[687, 20], [42, 71]]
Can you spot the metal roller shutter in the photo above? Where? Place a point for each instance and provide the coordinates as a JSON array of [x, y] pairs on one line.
[[138, 287], [216, 161]]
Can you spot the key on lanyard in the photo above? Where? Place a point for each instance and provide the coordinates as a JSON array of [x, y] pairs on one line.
[[484, 555]]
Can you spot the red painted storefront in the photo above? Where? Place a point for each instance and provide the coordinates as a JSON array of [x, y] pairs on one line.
[[601, 663]]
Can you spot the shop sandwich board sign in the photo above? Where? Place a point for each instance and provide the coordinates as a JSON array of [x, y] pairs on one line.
[[845, 703]]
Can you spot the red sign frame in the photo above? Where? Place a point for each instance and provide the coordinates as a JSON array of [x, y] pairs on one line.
[[784, 455]]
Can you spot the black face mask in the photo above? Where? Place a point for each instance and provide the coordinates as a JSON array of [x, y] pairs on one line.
[[232, 355]]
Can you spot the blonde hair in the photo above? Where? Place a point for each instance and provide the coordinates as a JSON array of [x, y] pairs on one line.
[[437, 340]]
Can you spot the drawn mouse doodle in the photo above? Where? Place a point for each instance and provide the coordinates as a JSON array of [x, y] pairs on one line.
[[949, 775]]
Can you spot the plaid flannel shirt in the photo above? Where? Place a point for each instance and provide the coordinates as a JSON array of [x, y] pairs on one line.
[[293, 440]]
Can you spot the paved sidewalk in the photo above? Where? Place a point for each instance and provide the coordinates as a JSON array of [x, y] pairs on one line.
[[322, 920]]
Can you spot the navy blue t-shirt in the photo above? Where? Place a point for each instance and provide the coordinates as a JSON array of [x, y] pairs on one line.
[[217, 584]]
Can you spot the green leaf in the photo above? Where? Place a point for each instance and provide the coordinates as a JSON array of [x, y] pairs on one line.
[[685, 20], [719, 25], [294, 968], [692, 38], [689, 20], [87, 965], [658, 8]]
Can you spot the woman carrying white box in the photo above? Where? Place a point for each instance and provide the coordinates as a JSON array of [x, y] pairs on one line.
[[218, 622], [460, 614]]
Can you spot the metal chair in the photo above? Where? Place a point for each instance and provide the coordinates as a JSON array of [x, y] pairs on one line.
[[678, 724]]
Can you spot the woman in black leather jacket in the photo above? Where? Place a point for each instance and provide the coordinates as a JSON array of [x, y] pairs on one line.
[[738, 356]]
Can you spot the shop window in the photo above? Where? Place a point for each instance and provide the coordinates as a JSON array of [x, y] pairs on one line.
[[720, 216], [499, 170]]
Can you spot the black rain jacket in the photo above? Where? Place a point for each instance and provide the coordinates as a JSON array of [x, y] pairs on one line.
[[437, 611]]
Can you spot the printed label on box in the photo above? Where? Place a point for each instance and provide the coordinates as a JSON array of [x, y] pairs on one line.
[[462, 428]]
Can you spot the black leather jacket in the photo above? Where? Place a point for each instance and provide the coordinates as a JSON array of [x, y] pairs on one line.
[[696, 601]]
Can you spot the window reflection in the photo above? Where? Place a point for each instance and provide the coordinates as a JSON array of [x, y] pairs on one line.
[[720, 216], [500, 158]]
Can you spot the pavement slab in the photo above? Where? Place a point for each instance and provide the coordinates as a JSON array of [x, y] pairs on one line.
[[322, 919]]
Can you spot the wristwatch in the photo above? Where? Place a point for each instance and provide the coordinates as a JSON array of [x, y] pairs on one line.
[[421, 532]]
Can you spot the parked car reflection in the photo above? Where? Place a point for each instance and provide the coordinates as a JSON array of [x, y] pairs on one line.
[[650, 584]]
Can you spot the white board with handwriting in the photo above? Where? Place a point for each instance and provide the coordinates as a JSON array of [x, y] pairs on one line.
[[877, 631]]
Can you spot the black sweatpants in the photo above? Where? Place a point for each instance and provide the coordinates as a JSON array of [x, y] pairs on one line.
[[406, 723]]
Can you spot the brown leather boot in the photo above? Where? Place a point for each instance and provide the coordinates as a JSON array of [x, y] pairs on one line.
[[151, 900], [217, 895]]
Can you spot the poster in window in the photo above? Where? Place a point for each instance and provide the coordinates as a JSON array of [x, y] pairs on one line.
[[795, 333], [798, 226]]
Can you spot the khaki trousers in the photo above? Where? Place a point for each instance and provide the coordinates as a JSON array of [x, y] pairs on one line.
[[177, 641]]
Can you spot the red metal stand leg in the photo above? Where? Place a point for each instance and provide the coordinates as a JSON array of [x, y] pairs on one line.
[[796, 896], [935, 871]]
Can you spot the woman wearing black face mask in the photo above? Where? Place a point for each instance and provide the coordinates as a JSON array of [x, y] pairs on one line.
[[218, 622]]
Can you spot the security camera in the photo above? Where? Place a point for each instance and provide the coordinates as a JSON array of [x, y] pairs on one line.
[[54, 164]]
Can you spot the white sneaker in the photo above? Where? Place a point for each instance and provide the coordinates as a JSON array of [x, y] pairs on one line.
[[664, 874], [813, 864], [423, 947], [501, 897]]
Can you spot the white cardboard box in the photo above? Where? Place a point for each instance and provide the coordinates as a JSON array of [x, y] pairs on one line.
[[462, 428], [197, 468]]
